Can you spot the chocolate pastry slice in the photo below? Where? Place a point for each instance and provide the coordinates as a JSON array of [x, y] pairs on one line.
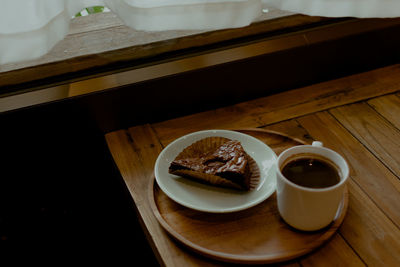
[[218, 161]]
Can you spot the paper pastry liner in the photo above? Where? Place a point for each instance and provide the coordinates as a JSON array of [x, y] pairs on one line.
[[209, 145], [255, 173], [203, 146]]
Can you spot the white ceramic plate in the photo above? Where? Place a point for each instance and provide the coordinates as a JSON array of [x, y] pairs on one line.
[[210, 198]]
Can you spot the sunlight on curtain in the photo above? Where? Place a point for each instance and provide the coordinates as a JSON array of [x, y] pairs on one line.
[[340, 8], [30, 28]]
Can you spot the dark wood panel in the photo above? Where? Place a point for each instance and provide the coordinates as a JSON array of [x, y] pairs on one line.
[[61, 196]]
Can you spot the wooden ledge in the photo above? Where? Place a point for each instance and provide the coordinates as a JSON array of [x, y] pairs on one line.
[[101, 42]]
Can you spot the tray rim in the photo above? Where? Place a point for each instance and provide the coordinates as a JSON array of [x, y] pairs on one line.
[[248, 259]]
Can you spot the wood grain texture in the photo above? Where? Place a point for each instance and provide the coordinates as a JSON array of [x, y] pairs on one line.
[[389, 107], [373, 131], [369, 231], [287, 105], [371, 226], [336, 252]]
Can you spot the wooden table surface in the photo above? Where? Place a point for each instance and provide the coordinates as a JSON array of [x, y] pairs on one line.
[[358, 116]]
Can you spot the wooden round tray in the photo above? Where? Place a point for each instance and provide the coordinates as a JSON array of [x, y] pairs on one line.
[[256, 235]]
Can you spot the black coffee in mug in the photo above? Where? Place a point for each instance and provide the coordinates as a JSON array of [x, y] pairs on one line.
[[311, 171]]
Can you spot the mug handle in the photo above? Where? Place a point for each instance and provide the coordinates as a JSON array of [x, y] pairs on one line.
[[317, 143]]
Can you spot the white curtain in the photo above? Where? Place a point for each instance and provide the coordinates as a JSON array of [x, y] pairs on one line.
[[30, 28], [340, 8]]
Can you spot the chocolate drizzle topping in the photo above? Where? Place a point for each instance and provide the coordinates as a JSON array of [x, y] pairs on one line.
[[228, 161]]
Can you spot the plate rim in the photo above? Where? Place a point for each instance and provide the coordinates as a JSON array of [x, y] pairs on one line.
[[224, 210]]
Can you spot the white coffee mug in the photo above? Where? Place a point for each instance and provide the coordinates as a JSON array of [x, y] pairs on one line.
[[306, 208]]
